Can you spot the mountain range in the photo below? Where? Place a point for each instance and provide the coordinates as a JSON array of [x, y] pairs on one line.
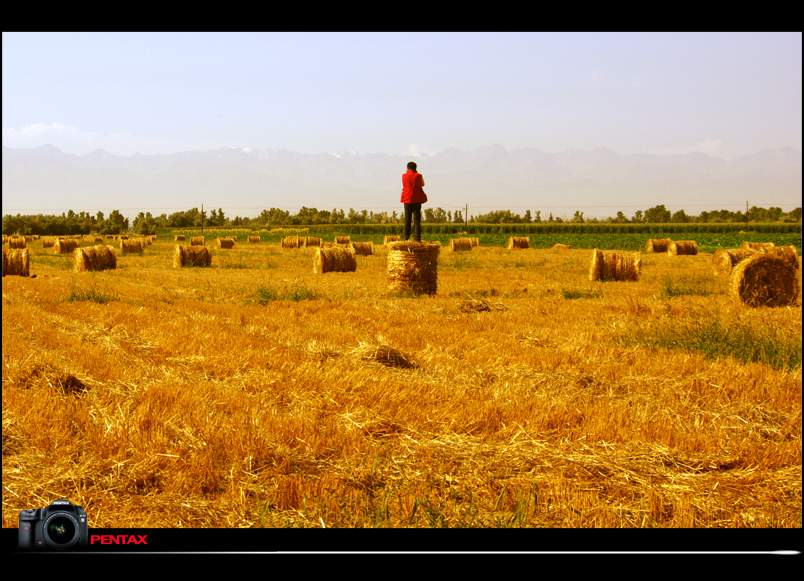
[[244, 181]]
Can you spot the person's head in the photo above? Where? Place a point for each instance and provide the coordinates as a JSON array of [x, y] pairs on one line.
[[412, 165]]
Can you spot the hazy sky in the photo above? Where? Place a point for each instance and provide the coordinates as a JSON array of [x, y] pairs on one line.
[[725, 94]]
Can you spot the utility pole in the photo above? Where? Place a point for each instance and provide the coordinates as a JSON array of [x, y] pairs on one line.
[[202, 219], [746, 211], [466, 215]]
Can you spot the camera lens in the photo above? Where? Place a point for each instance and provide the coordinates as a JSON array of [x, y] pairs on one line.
[[61, 530]]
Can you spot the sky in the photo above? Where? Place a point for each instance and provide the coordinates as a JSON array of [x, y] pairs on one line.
[[723, 94]]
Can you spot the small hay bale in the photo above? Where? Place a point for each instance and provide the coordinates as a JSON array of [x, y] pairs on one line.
[[313, 241], [363, 248], [179, 238], [109, 237], [17, 242], [131, 246], [292, 242], [518, 242], [343, 239], [185, 256], [475, 241], [197, 241], [98, 240], [724, 259], [384, 355], [392, 238], [766, 279], [64, 245], [758, 245], [254, 239], [123, 237], [657, 245], [559, 246], [48, 242], [682, 247], [616, 266], [16, 262], [226, 242], [413, 267], [460, 244], [335, 259], [94, 258]]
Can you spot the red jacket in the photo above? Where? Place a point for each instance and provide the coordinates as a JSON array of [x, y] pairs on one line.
[[413, 188]]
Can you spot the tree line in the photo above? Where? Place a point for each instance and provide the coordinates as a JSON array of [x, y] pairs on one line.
[[145, 223]]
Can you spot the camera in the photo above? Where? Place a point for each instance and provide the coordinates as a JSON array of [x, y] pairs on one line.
[[61, 525]]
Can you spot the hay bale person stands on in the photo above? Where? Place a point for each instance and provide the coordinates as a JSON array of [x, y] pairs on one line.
[[413, 197]]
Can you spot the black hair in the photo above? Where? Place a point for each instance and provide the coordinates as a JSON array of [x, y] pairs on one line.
[[412, 165]]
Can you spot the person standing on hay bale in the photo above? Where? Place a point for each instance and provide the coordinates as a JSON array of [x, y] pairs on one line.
[[413, 197]]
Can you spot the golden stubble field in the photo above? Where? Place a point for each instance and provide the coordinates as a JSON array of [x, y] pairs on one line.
[[194, 399]]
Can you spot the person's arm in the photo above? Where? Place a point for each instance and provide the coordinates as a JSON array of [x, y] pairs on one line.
[[420, 177]]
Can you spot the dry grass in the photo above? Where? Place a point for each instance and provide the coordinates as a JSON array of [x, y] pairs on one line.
[[391, 238], [185, 403], [562, 247]]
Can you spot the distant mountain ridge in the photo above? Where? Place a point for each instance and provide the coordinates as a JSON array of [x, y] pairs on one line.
[[243, 181]]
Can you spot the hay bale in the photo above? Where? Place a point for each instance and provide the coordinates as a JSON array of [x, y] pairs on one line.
[[724, 259], [97, 240], [518, 242], [197, 241], [343, 239], [131, 246], [558, 246], [179, 238], [64, 245], [17, 242], [48, 242], [16, 262], [254, 239], [123, 237], [363, 248], [788, 253], [109, 237], [657, 245], [682, 247], [335, 259], [98, 257], [327, 244], [757, 245], [313, 241], [185, 256], [292, 241], [460, 244], [413, 267], [614, 266], [226, 242], [475, 241], [387, 239], [766, 279]]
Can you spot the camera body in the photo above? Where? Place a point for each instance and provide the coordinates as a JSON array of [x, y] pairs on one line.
[[61, 525]]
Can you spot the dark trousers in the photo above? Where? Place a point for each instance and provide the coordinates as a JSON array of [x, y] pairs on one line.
[[413, 211]]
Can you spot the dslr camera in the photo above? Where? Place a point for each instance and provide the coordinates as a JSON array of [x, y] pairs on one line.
[[62, 525]]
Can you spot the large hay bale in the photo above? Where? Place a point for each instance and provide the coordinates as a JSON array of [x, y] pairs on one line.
[[413, 267], [335, 259], [757, 245], [93, 258], [343, 239], [197, 241], [614, 266], [460, 244], [17, 242], [48, 242], [179, 238], [191, 256], [766, 279], [559, 246], [226, 242], [254, 239], [788, 253], [313, 241], [724, 259], [16, 262], [363, 248], [64, 245], [391, 238], [682, 247], [131, 246], [518, 242], [658, 244]]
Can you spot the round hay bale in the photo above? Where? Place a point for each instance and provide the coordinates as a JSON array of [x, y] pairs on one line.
[[335, 259], [109, 237], [788, 253], [131, 246], [97, 240], [559, 246], [16, 262], [413, 267], [724, 259], [185, 256], [197, 241], [226, 242], [475, 241], [460, 244], [292, 242], [93, 258], [363, 248], [518, 242], [123, 237], [64, 245], [48, 242], [254, 239], [313, 241], [179, 238], [17, 242], [766, 279], [657, 244], [391, 238], [682, 247], [757, 245], [343, 239], [616, 266]]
